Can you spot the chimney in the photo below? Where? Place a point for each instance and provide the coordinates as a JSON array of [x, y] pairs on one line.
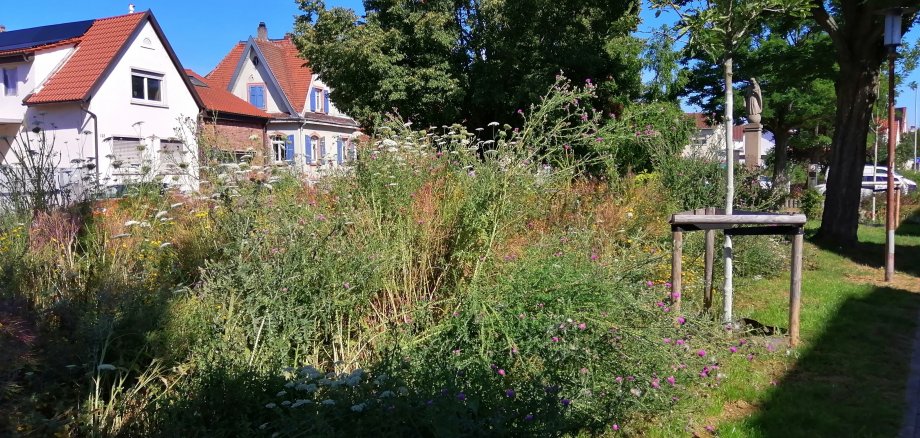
[[262, 32], [131, 8]]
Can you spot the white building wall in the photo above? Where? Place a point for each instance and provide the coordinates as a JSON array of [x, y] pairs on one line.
[[31, 75], [251, 74], [121, 116]]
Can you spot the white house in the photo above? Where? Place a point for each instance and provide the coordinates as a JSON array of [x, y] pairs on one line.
[[109, 93], [709, 141], [305, 129]]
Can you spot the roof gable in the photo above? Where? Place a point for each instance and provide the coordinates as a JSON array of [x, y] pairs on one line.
[[96, 52], [287, 71]]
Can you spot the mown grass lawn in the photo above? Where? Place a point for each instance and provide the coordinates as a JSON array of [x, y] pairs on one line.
[[848, 376]]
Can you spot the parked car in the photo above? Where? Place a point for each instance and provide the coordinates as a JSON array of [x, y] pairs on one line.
[[877, 181]]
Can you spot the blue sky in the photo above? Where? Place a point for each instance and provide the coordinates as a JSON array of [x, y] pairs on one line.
[[202, 32]]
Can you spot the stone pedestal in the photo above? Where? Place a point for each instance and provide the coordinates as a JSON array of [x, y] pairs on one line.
[[753, 134]]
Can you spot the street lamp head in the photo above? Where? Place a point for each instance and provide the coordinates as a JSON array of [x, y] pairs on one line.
[[893, 28]]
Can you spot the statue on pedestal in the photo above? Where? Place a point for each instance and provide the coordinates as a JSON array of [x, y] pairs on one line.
[[753, 101]]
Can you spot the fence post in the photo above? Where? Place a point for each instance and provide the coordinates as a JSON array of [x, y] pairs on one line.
[[677, 249], [795, 292], [709, 261]]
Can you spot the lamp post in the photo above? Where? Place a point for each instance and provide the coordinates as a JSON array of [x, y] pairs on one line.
[[914, 164], [892, 41]]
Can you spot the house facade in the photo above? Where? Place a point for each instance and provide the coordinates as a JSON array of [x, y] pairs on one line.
[[109, 94], [305, 128], [709, 141]]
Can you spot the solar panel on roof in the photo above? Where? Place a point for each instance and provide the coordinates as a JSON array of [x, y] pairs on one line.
[[38, 36]]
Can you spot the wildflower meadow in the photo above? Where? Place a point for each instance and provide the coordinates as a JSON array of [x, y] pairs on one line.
[[502, 281]]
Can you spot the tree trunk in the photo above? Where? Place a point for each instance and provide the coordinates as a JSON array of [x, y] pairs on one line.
[[856, 93], [781, 157], [730, 187]]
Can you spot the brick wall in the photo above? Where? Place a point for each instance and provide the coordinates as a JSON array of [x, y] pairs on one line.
[[229, 135]]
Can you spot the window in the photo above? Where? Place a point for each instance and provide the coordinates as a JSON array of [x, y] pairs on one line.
[[278, 149], [257, 96], [319, 101], [314, 150], [127, 153], [10, 82], [146, 86]]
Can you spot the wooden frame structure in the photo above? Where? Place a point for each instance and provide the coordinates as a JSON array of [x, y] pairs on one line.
[[740, 223]]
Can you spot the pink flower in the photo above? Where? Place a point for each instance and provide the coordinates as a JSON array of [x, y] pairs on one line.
[[733, 349], [555, 339], [615, 427], [501, 372], [582, 326], [701, 353], [619, 379], [681, 320], [710, 429], [666, 309], [584, 371], [667, 340], [680, 342], [671, 380], [675, 295], [594, 257], [649, 283], [656, 383], [667, 285], [750, 357]]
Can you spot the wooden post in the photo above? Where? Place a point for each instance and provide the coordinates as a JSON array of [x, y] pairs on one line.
[[795, 292], [677, 249], [709, 261]]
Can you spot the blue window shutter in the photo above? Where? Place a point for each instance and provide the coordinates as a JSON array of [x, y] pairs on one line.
[[309, 148], [326, 101], [257, 96], [339, 150], [313, 100], [289, 149]]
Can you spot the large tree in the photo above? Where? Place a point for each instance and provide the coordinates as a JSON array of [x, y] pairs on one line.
[[856, 29], [441, 61]]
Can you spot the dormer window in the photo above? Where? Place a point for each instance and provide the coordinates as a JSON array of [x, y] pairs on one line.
[[10, 82]]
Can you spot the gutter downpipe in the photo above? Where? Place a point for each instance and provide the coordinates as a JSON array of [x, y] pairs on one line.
[[95, 141]]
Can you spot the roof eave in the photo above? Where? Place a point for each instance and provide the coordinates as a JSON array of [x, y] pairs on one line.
[[251, 45]]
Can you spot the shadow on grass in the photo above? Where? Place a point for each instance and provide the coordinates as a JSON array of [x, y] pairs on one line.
[[907, 257], [850, 380]]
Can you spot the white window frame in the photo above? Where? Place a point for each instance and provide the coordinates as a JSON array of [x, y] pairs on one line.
[[279, 149], [7, 91], [148, 75]]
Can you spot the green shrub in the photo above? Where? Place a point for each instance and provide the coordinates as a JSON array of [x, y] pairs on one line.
[[812, 204]]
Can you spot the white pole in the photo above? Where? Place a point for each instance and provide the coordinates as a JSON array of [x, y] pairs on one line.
[[730, 189], [915, 165]]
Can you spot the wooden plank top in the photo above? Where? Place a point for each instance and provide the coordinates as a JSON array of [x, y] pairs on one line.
[[746, 218]]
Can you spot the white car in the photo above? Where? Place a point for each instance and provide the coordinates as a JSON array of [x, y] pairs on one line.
[[878, 182]]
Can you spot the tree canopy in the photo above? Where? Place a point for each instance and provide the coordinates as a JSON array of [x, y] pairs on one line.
[[439, 61]]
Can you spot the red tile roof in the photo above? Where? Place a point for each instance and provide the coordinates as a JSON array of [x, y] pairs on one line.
[[223, 73], [95, 51], [218, 100], [283, 61]]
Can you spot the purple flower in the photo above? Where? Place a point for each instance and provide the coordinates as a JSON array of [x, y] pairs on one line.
[[733, 349], [461, 396], [656, 383], [528, 417], [509, 393], [555, 339], [566, 402], [701, 353], [680, 342], [667, 285], [671, 380], [681, 320], [615, 427], [594, 257], [667, 340], [582, 326], [675, 295], [649, 283], [619, 379]]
